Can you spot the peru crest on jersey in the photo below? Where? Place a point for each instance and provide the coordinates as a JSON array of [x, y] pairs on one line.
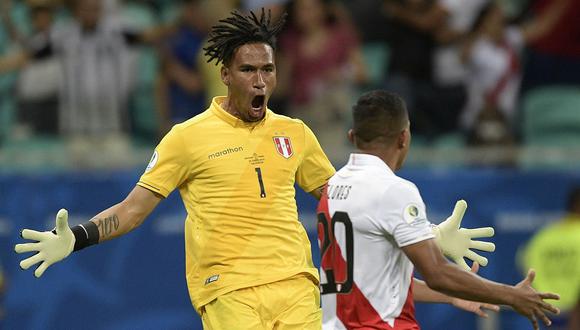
[[283, 146]]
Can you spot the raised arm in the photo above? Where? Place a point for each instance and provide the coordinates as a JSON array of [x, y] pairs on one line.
[[127, 215], [540, 26], [53, 246], [149, 36], [422, 293], [445, 277], [428, 20]]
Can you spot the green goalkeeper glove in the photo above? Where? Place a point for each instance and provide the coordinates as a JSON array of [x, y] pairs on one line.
[[456, 242], [51, 247]]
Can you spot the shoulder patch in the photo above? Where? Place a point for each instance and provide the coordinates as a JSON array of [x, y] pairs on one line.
[[153, 161], [412, 214]]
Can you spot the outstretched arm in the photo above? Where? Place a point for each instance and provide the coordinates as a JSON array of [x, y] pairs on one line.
[[53, 246], [540, 26], [127, 215], [422, 293], [424, 20], [448, 278]]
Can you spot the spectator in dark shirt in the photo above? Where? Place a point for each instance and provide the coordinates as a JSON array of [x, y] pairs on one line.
[[180, 91], [411, 39]]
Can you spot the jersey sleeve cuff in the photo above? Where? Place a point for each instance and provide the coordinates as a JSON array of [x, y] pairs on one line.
[[163, 192], [318, 184], [417, 240]]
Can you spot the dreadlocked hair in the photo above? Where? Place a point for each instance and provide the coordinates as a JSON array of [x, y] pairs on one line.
[[238, 30]]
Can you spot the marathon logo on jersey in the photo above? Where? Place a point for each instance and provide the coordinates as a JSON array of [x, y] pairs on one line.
[[283, 146], [224, 152], [413, 215], [212, 279]]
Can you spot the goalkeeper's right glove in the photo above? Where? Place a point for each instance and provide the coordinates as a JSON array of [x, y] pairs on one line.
[[51, 247], [456, 242]]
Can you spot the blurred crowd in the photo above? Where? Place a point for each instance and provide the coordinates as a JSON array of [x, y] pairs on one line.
[[107, 73]]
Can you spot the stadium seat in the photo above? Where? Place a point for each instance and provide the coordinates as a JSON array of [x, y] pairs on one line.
[[169, 12], [450, 141], [551, 117], [142, 103], [140, 17], [21, 17], [137, 16], [7, 116], [514, 8], [376, 57]]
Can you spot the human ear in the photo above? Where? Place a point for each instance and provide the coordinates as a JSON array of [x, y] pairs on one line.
[[225, 75], [350, 135]]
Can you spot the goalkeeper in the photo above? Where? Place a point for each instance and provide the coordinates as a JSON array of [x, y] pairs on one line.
[[368, 259]]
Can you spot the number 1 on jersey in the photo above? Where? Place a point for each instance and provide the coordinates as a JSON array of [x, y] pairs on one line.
[[261, 182]]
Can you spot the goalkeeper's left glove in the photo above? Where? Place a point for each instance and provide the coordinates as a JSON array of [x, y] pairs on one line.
[[50, 247], [456, 242]]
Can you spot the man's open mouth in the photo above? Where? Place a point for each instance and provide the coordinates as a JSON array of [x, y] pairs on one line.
[[258, 102]]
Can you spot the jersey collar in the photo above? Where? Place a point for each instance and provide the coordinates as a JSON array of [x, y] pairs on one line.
[[358, 159], [232, 120]]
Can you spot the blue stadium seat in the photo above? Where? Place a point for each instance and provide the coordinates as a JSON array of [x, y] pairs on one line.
[[170, 12], [450, 141], [376, 57], [140, 17], [21, 17], [551, 116], [137, 15], [7, 115]]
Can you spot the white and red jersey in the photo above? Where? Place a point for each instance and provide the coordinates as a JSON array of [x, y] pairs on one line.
[[365, 216]]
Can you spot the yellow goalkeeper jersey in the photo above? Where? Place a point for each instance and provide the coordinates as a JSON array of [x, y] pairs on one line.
[[237, 180]]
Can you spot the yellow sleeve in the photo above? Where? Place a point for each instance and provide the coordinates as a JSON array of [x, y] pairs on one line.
[[315, 169], [169, 166]]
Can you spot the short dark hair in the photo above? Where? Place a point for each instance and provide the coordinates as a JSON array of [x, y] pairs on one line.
[[378, 115], [238, 30]]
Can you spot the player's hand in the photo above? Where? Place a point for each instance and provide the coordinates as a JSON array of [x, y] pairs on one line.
[[474, 306], [456, 242], [50, 247], [530, 303]]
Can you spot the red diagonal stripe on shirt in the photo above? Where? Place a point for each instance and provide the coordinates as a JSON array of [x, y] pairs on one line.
[[353, 309]]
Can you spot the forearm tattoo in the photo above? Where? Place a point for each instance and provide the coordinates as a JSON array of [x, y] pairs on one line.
[[107, 226]]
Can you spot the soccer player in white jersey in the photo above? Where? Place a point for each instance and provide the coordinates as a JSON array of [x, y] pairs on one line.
[[373, 231]]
